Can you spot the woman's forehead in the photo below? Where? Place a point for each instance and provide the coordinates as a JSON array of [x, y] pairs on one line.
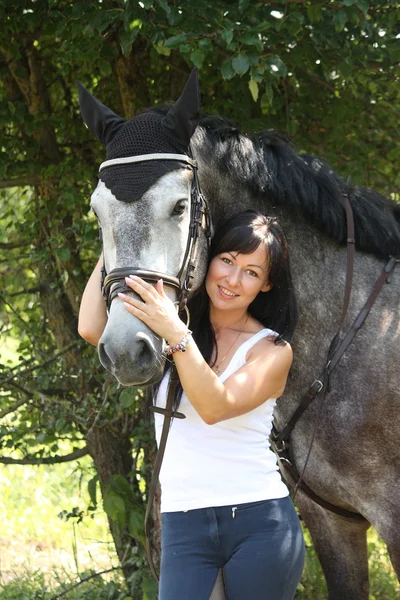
[[259, 256]]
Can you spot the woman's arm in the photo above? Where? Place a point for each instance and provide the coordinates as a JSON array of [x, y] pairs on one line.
[[263, 376], [92, 312]]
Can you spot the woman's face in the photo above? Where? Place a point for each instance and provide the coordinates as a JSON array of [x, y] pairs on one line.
[[234, 280]]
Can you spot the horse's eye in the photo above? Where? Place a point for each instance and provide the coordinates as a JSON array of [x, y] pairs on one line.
[[179, 207]]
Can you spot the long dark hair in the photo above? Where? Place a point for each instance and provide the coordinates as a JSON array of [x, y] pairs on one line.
[[275, 309]]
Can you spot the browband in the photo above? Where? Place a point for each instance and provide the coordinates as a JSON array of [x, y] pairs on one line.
[[146, 157]]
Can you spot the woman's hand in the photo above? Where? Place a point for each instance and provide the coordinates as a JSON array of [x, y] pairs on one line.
[[155, 309]]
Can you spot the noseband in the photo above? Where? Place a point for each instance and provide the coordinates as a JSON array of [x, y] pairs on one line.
[[114, 282]]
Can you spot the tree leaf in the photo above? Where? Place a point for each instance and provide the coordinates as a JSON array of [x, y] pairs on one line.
[[314, 12], [197, 58], [240, 64], [165, 6], [276, 66], [175, 40], [149, 588], [92, 489], [114, 507], [227, 71], [339, 20], [161, 49], [253, 87], [60, 424], [227, 36], [64, 254], [267, 99], [363, 5], [126, 39], [135, 524]]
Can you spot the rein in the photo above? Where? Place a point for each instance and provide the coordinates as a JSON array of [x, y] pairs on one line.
[[279, 440]]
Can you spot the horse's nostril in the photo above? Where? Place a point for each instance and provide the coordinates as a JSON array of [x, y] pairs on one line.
[[145, 355], [104, 358]]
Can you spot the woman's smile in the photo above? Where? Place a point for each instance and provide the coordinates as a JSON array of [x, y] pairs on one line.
[[225, 293]]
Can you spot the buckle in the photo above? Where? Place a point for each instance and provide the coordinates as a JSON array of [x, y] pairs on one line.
[[319, 386]]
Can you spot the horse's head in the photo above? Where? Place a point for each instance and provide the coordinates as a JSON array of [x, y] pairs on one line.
[[149, 208]]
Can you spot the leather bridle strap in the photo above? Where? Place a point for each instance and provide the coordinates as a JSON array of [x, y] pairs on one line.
[[319, 383], [168, 413], [114, 282]]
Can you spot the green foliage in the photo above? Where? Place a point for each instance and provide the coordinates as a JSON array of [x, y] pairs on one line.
[[121, 506], [324, 73], [33, 586]]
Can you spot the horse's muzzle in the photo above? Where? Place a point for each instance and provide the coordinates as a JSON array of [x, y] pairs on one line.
[[138, 362]]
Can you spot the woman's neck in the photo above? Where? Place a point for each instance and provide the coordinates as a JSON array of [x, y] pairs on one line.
[[228, 319]]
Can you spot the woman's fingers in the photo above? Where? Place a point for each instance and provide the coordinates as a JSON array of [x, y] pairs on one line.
[[129, 301], [141, 287]]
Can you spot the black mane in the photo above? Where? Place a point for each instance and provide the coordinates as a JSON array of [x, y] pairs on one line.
[[267, 164]]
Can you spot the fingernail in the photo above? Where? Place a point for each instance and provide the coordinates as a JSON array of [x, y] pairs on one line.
[[121, 295]]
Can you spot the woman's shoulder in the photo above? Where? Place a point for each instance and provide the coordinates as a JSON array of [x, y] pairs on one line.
[[265, 345]]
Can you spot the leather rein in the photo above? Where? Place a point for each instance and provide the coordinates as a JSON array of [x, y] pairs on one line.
[[280, 440], [114, 282]]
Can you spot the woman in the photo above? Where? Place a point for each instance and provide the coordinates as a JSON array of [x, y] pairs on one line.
[[223, 502]]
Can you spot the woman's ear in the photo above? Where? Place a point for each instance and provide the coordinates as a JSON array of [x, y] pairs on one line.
[[266, 287]]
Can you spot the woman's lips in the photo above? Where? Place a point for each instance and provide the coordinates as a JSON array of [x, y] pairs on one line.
[[226, 294]]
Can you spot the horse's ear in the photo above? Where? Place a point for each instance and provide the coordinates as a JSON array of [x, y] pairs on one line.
[[101, 121], [183, 117]]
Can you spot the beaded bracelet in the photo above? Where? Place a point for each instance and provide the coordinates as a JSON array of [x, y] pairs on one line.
[[181, 347]]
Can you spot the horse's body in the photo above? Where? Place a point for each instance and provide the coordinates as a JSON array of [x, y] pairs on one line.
[[355, 459]]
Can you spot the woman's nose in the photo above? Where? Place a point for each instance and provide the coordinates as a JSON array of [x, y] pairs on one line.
[[234, 276]]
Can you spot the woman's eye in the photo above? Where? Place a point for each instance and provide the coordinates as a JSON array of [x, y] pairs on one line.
[[226, 260], [252, 273], [179, 207]]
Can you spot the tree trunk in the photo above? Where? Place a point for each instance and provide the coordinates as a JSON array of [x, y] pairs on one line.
[[112, 455]]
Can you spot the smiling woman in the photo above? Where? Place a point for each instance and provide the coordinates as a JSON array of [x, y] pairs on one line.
[[231, 369]]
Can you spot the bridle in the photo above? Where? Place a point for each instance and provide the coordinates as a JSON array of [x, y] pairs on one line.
[[114, 282]]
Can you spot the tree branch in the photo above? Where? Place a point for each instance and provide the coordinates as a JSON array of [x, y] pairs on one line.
[[47, 362], [22, 181], [12, 245], [47, 460], [34, 290], [57, 596], [13, 407]]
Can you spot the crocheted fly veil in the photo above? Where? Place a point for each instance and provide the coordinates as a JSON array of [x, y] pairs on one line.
[[147, 133]]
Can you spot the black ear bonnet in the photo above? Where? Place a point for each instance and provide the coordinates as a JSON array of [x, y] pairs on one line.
[[147, 133]]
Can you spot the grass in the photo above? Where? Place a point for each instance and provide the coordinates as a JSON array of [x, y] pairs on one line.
[[35, 539], [42, 555]]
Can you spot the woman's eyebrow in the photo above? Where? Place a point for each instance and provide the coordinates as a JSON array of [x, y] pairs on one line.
[[257, 266]]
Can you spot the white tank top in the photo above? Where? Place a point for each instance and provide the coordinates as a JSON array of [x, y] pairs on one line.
[[223, 464]]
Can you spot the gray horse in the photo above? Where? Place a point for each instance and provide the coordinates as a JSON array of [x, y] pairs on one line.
[[354, 463]]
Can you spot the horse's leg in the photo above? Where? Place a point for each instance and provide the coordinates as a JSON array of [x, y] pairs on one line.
[[341, 546], [386, 521]]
